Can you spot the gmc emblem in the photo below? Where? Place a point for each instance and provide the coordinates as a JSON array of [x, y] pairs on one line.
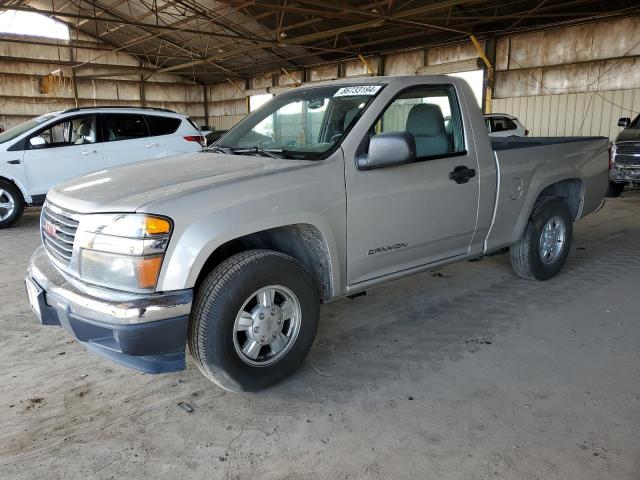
[[50, 228]]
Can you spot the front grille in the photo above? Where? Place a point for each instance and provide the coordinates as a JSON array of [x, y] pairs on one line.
[[58, 229], [628, 149], [628, 153]]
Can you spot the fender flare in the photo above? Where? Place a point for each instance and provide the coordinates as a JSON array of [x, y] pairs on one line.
[[224, 235], [533, 196]]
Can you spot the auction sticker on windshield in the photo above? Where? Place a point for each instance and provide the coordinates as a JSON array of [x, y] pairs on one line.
[[357, 90]]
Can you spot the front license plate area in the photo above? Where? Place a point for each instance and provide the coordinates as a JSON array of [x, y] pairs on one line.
[[33, 292]]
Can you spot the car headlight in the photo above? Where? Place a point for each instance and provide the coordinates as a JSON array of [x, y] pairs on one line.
[[123, 251]]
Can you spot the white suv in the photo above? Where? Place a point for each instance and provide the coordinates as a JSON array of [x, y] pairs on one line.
[[44, 151], [503, 125]]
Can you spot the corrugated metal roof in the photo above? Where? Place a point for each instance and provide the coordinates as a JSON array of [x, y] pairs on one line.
[[213, 40]]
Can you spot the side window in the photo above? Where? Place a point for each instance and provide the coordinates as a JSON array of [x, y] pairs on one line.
[[124, 126], [70, 131], [502, 124], [431, 115], [497, 124], [510, 124], [163, 125]]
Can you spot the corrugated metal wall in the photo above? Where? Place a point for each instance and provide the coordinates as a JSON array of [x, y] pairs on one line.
[[227, 105], [25, 65], [566, 81], [571, 81], [572, 114]]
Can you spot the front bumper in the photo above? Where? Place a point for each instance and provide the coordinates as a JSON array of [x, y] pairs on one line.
[[146, 332], [625, 173]]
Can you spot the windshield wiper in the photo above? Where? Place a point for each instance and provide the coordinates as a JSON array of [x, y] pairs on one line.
[[216, 148], [256, 149]]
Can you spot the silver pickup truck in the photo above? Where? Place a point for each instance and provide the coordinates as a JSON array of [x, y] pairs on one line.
[[326, 191]]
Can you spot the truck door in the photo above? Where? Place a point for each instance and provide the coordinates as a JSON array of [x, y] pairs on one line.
[[406, 216]]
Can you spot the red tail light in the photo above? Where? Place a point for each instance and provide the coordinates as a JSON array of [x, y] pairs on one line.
[[195, 138]]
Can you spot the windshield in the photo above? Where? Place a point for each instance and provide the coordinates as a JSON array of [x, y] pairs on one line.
[[635, 123], [304, 124], [24, 127]]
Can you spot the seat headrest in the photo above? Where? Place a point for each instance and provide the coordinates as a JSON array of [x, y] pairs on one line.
[[426, 120], [84, 130]]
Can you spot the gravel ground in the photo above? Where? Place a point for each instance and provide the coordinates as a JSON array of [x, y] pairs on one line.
[[464, 373]]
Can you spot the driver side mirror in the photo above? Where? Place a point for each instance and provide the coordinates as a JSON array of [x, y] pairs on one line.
[[388, 149], [624, 122], [37, 142]]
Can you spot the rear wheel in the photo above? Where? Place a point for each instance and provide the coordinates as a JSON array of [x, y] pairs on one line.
[[11, 204], [545, 244], [615, 189], [254, 320]]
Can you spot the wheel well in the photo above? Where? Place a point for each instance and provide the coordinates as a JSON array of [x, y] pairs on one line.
[[8, 180], [302, 241], [570, 191]]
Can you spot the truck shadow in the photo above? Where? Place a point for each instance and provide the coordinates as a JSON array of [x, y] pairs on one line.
[[400, 332]]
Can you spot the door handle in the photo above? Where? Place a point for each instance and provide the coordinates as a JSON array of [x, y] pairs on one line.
[[151, 145], [14, 162], [87, 152], [462, 174]]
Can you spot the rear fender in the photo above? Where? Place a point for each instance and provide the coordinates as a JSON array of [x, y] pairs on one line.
[[540, 183]]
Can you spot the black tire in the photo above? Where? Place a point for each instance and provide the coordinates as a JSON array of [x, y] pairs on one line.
[[526, 258], [10, 193], [615, 189], [218, 302]]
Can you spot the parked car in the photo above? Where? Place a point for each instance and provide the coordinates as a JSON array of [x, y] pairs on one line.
[[233, 250], [44, 151], [503, 125], [625, 157]]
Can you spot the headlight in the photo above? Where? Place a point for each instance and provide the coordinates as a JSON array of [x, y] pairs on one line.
[[123, 251]]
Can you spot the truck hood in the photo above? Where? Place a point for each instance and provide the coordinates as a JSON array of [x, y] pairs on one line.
[[628, 134], [127, 188]]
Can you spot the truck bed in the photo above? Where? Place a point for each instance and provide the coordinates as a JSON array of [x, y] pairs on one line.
[[512, 143], [526, 164]]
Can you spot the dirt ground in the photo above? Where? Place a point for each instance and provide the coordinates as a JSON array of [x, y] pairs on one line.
[[464, 373]]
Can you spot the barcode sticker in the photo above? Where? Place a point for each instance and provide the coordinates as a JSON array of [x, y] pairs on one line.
[[357, 90]]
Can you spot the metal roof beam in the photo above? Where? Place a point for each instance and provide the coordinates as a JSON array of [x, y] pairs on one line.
[[134, 23]]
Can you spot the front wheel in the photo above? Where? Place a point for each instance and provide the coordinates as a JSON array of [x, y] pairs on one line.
[[615, 189], [545, 244], [11, 204], [254, 320]]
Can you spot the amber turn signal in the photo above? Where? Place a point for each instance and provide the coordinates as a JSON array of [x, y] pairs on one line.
[[148, 271], [156, 226]]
